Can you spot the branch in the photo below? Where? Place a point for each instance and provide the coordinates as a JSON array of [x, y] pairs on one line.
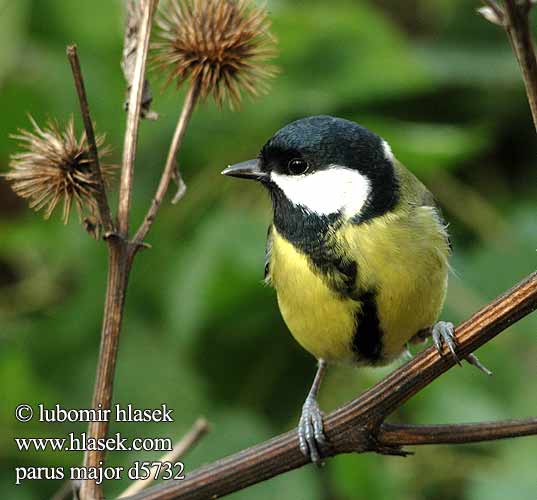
[[412, 435], [514, 17], [358, 426], [492, 12], [170, 168], [133, 19], [518, 28], [100, 194], [133, 118]]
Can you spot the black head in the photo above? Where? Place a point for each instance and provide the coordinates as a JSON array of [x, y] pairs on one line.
[[326, 165], [318, 142]]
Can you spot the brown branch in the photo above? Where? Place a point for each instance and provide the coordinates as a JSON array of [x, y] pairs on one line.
[[515, 19], [412, 435], [492, 12], [133, 118], [170, 167], [185, 444], [518, 28], [358, 425], [100, 194], [119, 265], [133, 19]]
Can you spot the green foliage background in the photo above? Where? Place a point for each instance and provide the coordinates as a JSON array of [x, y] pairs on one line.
[[201, 333]]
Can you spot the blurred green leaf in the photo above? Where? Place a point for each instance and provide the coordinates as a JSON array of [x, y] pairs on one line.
[[13, 17], [424, 147]]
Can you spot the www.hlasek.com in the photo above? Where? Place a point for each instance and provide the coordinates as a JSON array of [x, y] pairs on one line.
[[82, 442]]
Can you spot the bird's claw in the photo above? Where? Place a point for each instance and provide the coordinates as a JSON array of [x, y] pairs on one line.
[[310, 431], [443, 332]]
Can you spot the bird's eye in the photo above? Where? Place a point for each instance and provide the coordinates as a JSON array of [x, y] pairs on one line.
[[297, 166]]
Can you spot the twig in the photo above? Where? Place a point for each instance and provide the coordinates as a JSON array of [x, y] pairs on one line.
[[494, 14], [181, 186], [100, 194], [170, 167], [411, 435], [133, 18], [133, 118], [186, 443], [357, 426], [519, 31], [515, 20]]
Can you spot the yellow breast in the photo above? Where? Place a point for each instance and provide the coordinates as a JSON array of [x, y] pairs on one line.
[[403, 260], [321, 321]]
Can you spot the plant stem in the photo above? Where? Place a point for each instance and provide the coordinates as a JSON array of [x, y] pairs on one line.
[[128, 61], [518, 29], [102, 200], [119, 265], [412, 435], [133, 119], [169, 168]]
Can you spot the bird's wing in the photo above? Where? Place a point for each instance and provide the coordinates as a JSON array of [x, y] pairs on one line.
[[417, 195], [268, 249]]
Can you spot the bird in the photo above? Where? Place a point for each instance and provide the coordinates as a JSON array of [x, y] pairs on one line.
[[357, 251]]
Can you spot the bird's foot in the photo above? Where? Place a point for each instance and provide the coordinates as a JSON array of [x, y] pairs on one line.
[[443, 332], [310, 430]]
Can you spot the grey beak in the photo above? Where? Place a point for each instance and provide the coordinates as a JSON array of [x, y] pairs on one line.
[[250, 169]]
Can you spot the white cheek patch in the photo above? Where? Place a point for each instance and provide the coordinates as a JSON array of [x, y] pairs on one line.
[[325, 192]]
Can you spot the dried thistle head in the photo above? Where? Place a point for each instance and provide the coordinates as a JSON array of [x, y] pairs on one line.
[[222, 44], [54, 166]]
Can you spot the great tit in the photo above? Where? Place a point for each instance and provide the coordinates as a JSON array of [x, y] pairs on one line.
[[357, 250]]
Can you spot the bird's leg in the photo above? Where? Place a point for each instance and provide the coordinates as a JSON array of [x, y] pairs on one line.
[[310, 426], [407, 353], [443, 332]]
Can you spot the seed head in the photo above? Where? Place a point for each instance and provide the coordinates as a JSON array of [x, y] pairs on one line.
[[221, 44], [54, 166]]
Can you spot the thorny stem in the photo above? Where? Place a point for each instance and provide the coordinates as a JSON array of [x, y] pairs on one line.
[[128, 60], [359, 425], [133, 118], [517, 24], [169, 169], [119, 265], [102, 200]]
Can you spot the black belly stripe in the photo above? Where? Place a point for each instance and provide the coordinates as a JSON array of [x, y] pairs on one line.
[[367, 338]]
